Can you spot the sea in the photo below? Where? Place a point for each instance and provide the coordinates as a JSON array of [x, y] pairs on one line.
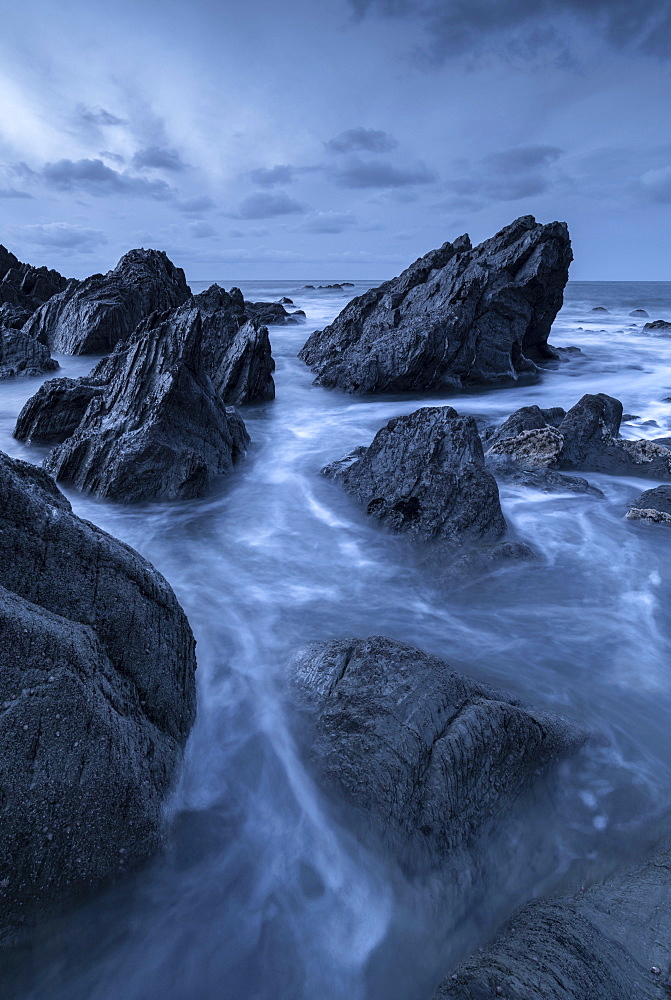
[[261, 892]]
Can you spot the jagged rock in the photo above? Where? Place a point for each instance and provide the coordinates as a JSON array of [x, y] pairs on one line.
[[424, 474], [159, 430], [285, 301], [24, 286], [639, 312], [92, 316], [22, 290], [456, 316], [610, 942], [657, 327], [236, 351], [269, 314], [426, 758], [97, 698], [652, 505], [56, 410], [21, 355], [586, 438]]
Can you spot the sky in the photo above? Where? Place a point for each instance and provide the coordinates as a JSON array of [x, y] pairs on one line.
[[338, 140]]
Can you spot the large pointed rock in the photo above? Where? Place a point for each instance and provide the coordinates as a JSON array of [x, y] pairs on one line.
[[25, 286], [97, 697], [159, 430], [457, 316], [23, 289], [92, 316]]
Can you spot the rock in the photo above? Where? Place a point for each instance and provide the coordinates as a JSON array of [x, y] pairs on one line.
[[269, 314], [236, 351], [652, 505], [586, 438], [482, 560], [599, 309], [628, 417], [21, 355], [286, 301], [159, 431], [659, 326], [427, 759], [455, 317], [639, 312], [54, 413], [300, 313], [97, 697], [545, 480], [24, 286], [312, 287], [609, 942], [424, 474], [22, 290], [92, 316]]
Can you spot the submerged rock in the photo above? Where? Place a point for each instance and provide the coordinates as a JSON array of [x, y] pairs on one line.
[[424, 474], [92, 316], [159, 430], [610, 942], [639, 312], [457, 316], [652, 505], [426, 758], [97, 698], [657, 327]]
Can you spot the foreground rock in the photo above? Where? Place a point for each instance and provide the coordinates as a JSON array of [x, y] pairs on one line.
[[585, 438], [653, 505], [424, 474], [427, 759], [157, 431], [96, 700], [457, 316], [612, 942], [92, 316]]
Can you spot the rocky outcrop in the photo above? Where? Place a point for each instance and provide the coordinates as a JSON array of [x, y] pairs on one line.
[[96, 700], [457, 316], [426, 758], [24, 286], [157, 431], [424, 474], [652, 505], [639, 312], [269, 314], [584, 438], [56, 410], [610, 942], [92, 316], [20, 355], [659, 327]]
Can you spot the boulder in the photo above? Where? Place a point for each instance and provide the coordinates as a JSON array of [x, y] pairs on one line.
[[97, 697], [639, 312], [159, 430], [586, 438], [545, 480], [657, 327], [23, 356], [424, 474], [92, 316], [652, 505], [610, 942], [459, 315], [427, 760], [269, 314], [599, 309], [54, 413]]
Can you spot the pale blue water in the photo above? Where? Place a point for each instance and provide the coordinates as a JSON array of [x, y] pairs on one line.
[[261, 896]]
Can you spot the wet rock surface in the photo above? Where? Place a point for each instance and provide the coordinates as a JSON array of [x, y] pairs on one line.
[[97, 698], [22, 356], [657, 327], [457, 316], [652, 505]]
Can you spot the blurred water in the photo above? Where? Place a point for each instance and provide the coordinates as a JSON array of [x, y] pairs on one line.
[[261, 894]]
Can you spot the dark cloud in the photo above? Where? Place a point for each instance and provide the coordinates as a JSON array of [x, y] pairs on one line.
[[201, 229], [61, 235], [455, 27], [368, 140], [197, 205], [269, 176], [13, 193], [329, 222], [267, 204], [356, 173], [521, 159], [508, 175], [97, 116], [159, 157], [94, 177]]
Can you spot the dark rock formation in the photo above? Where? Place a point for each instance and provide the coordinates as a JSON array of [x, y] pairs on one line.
[[599, 309], [456, 316], [639, 312], [54, 413], [652, 505], [285, 301], [545, 480], [424, 474], [269, 314], [21, 355], [158, 431], [586, 438], [24, 286], [611, 942], [427, 758], [92, 316], [96, 700], [657, 327]]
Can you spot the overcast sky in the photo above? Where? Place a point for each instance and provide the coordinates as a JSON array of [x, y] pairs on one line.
[[333, 140]]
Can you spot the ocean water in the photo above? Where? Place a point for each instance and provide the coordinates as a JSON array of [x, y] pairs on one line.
[[261, 893]]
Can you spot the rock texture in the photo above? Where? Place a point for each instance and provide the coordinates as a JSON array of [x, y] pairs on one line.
[[657, 327], [20, 355], [429, 759], [92, 316], [57, 408], [424, 474], [158, 430], [653, 505], [26, 287], [23, 289], [269, 314], [585, 438], [457, 316], [612, 942], [96, 700]]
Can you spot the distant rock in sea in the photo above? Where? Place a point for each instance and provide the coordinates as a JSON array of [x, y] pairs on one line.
[[657, 327], [639, 312], [458, 316]]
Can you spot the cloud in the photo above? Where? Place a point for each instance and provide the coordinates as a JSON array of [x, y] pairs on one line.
[[94, 177], [329, 222], [455, 28], [13, 193], [269, 176], [368, 140], [201, 229], [521, 159], [159, 157], [197, 205], [97, 116], [657, 184], [266, 205], [61, 235], [508, 175], [357, 173]]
